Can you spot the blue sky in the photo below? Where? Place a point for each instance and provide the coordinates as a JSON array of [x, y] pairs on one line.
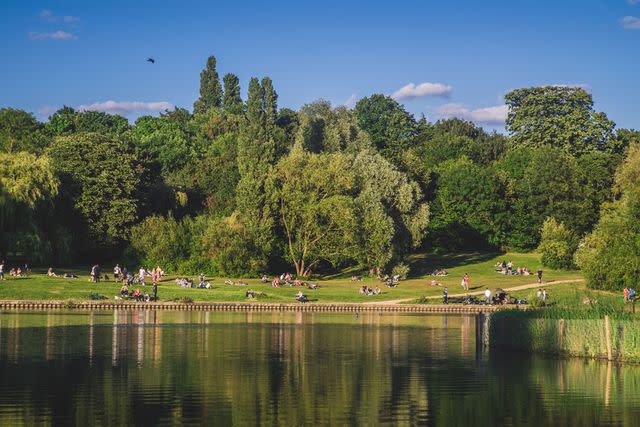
[[469, 53]]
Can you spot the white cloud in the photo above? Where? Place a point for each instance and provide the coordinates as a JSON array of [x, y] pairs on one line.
[[48, 16], [630, 23], [350, 102], [423, 89], [489, 115], [56, 35], [126, 107]]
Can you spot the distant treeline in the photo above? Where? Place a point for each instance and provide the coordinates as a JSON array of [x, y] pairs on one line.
[[242, 186]]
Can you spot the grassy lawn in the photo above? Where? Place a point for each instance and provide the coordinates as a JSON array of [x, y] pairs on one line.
[[479, 266]]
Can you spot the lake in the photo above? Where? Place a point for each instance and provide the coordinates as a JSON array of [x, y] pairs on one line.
[[230, 368]]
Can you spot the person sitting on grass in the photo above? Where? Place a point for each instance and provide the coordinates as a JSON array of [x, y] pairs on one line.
[[146, 297], [363, 290], [124, 291], [135, 294], [201, 281], [51, 273], [249, 294], [264, 279], [301, 297], [276, 282], [377, 291], [313, 286], [434, 282]]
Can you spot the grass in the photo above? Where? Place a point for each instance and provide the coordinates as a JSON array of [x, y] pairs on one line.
[[338, 288]]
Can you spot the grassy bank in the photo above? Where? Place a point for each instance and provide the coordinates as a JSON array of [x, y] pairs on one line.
[[574, 324], [340, 288]]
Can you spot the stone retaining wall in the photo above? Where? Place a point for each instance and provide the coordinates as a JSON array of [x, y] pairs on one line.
[[248, 306]]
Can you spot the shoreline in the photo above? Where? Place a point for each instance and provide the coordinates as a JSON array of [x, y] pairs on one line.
[[254, 306]]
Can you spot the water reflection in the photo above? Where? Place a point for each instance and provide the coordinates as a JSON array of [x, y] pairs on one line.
[[166, 367]]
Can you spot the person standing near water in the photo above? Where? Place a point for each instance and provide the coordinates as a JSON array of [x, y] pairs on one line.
[[487, 296], [2, 270], [155, 292], [445, 296], [466, 282], [539, 274]]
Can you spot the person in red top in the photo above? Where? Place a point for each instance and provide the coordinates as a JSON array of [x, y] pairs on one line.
[[466, 282], [625, 294]]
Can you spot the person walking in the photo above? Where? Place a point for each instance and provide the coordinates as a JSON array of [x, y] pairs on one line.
[[466, 282], [539, 274], [445, 296], [95, 273], [155, 292]]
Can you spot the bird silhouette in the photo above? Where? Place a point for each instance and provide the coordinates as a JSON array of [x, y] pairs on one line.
[[153, 61]]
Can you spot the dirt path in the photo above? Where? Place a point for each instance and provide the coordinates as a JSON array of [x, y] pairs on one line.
[[513, 288]]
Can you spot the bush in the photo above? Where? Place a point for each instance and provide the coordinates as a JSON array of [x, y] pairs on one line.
[[558, 244], [609, 256], [401, 270]]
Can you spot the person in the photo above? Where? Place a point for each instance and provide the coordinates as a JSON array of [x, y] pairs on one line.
[[462, 283], [155, 292], [136, 294], [539, 294], [117, 272], [625, 294], [445, 296], [124, 291], [301, 297], [95, 273], [466, 282], [147, 298], [487, 296], [141, 274], [539, 274], [51, 273], [2, 270], [632, 295], [544, 297], [265, 279], [376, 291], [201, 283]]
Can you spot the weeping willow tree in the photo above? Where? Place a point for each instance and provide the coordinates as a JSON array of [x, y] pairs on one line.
[[26, 182]]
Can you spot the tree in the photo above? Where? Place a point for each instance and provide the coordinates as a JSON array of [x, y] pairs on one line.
[[210, 89], [469, 209], [391, 216], [101, 177], [20, 131], [390, 128], [557, 244], [610, 256], [255, 102], [232, 100], [270, 101], [161, 241], [26, 182], [62, 122], [313, 195], [559, 116]]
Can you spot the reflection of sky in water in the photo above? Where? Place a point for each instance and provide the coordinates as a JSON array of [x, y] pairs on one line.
[[167, 367]]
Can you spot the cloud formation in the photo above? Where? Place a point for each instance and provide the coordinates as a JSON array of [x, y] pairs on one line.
[[411, 90], [630, 23], [48, 16], [56, 35], [488, 116], [127, 107]]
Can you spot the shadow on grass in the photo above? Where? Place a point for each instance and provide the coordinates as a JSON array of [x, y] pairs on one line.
[[424, 264]]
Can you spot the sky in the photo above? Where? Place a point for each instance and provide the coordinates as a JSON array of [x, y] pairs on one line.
[[439, 58]]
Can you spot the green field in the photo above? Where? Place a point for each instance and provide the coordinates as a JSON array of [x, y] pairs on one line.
[[339, 288]]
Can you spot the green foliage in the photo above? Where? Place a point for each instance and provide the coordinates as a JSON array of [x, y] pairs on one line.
[[390, 128], [102, 177], [401, 270], [20, 131], [26, 178], [232, 100], [270, 101], [559, 116], [610, 255], [210, 88], [157, 240], [557, 245], [312, 193], [469, 208]]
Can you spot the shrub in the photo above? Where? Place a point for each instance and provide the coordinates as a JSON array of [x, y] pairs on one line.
[[558, 244], [401, 270]]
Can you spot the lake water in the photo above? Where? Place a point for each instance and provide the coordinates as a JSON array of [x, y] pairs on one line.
[[166, 368]]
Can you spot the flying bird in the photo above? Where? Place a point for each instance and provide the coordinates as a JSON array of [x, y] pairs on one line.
[[153, 61]]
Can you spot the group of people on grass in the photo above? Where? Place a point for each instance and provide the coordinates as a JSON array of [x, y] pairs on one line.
[[188, 282], [137, 295], [14, 271], [122, 275], [366, 290]]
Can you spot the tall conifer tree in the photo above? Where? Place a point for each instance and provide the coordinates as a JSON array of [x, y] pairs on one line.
[[232, 101], [210, 88], [270, 101]]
